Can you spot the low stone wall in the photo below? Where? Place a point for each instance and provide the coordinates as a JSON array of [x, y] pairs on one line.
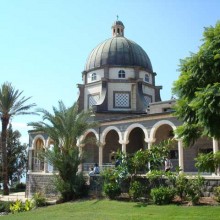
[[209, 185], [44, 183], [37, 182]]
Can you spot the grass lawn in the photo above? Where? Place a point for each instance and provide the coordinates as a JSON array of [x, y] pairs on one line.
[[115, 210]]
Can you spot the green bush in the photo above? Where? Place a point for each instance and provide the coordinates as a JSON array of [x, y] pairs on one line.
[[20, 186], [181, 185], [18, 206], [72, 189], [217, 193], [28, 205], [112, 190], [5, 206], [136, 190], [194, 189], [39, 199], [162, 195]]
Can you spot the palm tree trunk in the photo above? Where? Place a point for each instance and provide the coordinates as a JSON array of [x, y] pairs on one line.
[[5, 122]]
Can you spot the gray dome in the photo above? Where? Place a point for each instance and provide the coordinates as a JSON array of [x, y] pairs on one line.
[[118, 23], [118, 51]]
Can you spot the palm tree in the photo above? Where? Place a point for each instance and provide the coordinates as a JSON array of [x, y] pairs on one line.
[[65, 127], [11, 104]]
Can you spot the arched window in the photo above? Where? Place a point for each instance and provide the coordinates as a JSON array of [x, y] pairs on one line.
[[121, 74], [147, 78], [38, 161], [94, 77]]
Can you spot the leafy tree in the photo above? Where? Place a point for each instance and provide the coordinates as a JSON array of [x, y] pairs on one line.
[[64, 127], [198, 90], [208, 162], [17, 155], [11, 104]]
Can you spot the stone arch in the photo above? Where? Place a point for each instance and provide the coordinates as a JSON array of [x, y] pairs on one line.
[[48, 142], [106, 130], [90, 148], [111, 138], [131, 127], [36, 138], [38, 145], [163, 130], [82, 138], [158, 124]]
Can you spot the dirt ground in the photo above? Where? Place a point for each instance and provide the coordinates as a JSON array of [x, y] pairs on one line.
[[208, 201]]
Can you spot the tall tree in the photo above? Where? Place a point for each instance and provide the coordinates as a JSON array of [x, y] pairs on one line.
[[198, 90], [64, 127], [16, 154], [11, 104]]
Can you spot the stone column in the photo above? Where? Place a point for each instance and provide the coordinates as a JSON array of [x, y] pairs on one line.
[[45, 166], [101, 154], [149, 143], [80, 146], [30, 152], [215, 145], [215, 150], [180, 152], [123, 147]]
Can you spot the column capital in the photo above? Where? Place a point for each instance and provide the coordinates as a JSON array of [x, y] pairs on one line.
[[123, 142], [80, 145], [99, 144], [149, 140], [178, 139]]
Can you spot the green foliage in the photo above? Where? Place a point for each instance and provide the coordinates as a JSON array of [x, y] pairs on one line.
[[5, 206], [28, 205], [156, 177], [139, 161], [158, 153], [112, 190], [39, 200], [131, 165], [198, 90], [136, 190], [162, 195], [208, 162], [74, 187], [16, 155], [18, 206], [217, 193], [20, 186], [12, 103], [194, 189], [205, 162], [65, 126], [181, 185]]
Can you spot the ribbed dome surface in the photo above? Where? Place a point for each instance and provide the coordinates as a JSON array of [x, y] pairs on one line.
[[118, 51]]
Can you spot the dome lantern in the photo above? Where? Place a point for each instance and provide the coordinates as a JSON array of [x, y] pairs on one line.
[[118, 28]]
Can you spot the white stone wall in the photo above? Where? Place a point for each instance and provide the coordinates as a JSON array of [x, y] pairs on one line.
[[113, 72], [99, 75], [121, 87], [142, 76], [160, 107], [149, 91], [91, 89]]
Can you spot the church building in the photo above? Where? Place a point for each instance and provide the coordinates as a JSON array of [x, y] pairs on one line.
[[119, 84]]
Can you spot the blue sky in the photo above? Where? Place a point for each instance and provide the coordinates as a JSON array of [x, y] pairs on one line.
[[44, 44]]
